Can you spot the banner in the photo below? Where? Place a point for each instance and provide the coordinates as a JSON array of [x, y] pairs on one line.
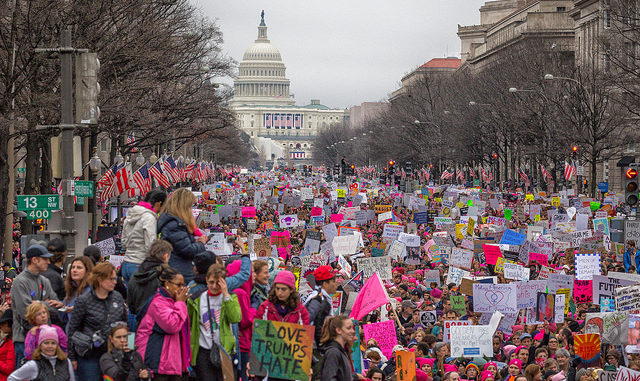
[[281, 350], [611, 326]]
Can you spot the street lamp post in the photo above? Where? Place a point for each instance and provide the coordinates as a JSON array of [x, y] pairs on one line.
[[94, 165]]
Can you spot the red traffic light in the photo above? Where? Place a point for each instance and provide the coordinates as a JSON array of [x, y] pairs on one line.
[[574, 148], [495, 155], [631, 173], [391, 162], [353, 167]]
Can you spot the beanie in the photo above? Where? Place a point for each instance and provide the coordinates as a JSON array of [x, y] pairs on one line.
[[287, 278], [487, 374], [47, 332], [517, 363]]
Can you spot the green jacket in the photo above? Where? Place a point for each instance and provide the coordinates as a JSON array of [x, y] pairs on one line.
[[229, 314]]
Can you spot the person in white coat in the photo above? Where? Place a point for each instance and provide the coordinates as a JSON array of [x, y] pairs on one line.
[[140, 230]]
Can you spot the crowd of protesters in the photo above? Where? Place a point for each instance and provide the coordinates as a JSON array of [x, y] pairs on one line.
[[175, 310]]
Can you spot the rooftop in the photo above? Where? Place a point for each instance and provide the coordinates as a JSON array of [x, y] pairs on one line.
[[449, 63]]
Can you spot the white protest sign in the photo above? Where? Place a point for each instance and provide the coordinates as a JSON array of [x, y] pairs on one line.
[[288, 221], [559, 308], [330, 231], [380, 265], [587, 265], [345, 244], [516, 272], [107, 247], [456, 274], [461, 258], [471, 341], [628, 298], [626, 374], [397, 250], [527, 292], [392, 231], [495, 297], [385, 216], [116, 260], [446, 335], [410, 240]]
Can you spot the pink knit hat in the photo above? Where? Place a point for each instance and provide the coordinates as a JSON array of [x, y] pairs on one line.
[[517, 363], [487, 374], [421, 376], [450, 368], [421, 361], [287, 278], [47, 332], [436, 293]]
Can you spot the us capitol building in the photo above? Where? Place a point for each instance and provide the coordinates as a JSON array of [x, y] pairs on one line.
[[266, 111]]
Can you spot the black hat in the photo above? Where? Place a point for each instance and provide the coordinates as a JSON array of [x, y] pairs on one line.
[[6, 264], [38, 251], [202, 261], [417, 291], [7, 316]]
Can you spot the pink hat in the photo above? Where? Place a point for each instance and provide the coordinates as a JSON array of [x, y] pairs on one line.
[[487, 374], [515, 328], [508, 349], [421, 361], [421, 376], [520, 348], [517, 363], [287, 278], [450, 368], [47, 332], [558, 376], [436, 293], [490, 363], [539, 336], [420, 272]]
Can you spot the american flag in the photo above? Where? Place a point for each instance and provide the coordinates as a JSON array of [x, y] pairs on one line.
[[459, 174], [124, 178], [483, 174], [156, 172], [180, 166], [267, 120], [108, 192], [297, 121], [276, 120], [545, 174], [142, 179], [131, 141], [188, 169], [169, 167], [288, 120], [297, 155], [446, 175], [569, 170], [523, 175], [107, 179], [203, 171]]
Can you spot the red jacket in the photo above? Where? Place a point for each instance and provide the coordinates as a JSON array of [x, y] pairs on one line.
[[267, 311], [7, 359]]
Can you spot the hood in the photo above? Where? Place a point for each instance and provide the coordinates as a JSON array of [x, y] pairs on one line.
[[144, 278], [233, 268], [148, 264], [166, 218], [134, 214]]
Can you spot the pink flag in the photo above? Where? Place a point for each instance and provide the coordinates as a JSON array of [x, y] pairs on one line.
[[370, 297]]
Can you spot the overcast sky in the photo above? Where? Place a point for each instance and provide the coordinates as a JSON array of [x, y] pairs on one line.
[[349, 51]]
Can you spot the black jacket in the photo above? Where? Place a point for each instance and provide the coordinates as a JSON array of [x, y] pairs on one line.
[[173, 230], [319, 308], [143, 284], [54, 274], [91, 315], [122, 366], [336, 364]]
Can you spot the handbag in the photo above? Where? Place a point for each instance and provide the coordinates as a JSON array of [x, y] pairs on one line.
[[81, 343], [214, 354]]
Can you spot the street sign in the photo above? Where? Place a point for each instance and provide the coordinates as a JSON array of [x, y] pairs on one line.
[[39, 202], [80, 200], [22, 170], [38, 214], [83, 188], [580, 170], [603, 187]]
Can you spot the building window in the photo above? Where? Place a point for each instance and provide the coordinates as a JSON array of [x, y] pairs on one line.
[[103, 145], [606, 18], [252, 123], [309, 125], [561, 9], [298, 146]]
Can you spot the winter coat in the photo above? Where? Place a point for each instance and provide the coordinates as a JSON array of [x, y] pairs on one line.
[[7, 359], [259, 294], [336, 363], [243, 293], [55, 275], [43, 370], [31, 342], [319, 309], [173, 230], [229, 314], [26, 288], [143, 284], [162, 338], [92, 314], [267, 311], [120, 367], [139, 230]]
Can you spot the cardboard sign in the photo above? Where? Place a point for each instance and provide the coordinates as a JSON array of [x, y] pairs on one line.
[[446, 335], [587, 346], [281, 350], [611, 326], [406, 366], [262, 247], [461, 258], [384, 333], [495, 297], [471, 341], [381, 265]]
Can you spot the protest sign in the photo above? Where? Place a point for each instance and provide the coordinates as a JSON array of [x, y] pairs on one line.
[[446, 335], [516, 272], [583, 291], [431, 276], [405, 366], [604, 287], [345, 245], [557, 281], [511, 237], [587, 265], [281, 350], [627, 298], [428, 318], [107, 247], [116, 260], [380, 265], [495, 297], [491, 253], [527, 292], [461, 258], [458, 304], [538, 257], [397, 250], [456, 274], [587, 346], [410, 240], [384, 333], [288, 221], [471, 341], [611, 326], [392, 231], [559, 308], [262, 247], [545, 307], [626, 374]]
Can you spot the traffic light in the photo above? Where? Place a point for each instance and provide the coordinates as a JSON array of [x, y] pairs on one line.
[[391, 168], [408, 168], [353, 170], [87, 88], [631, 185]]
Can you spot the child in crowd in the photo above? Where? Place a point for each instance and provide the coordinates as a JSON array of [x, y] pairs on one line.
[[121, 363], [38, 315], [48, 362]]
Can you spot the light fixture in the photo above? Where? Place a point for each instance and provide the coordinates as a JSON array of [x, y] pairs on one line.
[[118, 159], [548, 77], [140, 159], [95, 162], [153, 158], [513, 90]]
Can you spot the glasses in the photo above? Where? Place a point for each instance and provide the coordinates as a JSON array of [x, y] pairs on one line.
[[118, 324]]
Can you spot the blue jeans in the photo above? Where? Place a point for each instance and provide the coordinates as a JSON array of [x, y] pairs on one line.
[[89, 369], [127, 270], [18, 347]]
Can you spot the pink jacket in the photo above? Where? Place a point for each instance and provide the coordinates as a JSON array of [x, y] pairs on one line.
[[267, 311], [31, 341], [163, 337], [248, 314]]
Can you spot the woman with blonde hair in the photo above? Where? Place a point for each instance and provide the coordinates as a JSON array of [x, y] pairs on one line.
[[177, 226]]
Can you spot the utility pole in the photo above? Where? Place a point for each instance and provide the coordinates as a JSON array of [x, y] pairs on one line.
[[67, 126]]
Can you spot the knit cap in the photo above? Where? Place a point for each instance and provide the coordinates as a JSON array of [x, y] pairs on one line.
[[47, 332]]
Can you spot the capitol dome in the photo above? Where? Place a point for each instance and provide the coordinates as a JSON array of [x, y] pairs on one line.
[[261, 78]]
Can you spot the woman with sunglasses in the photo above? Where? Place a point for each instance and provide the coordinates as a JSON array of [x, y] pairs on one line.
[[91, 320], [163, 337]]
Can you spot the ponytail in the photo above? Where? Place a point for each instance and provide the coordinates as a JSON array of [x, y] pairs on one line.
[[329, 330]]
